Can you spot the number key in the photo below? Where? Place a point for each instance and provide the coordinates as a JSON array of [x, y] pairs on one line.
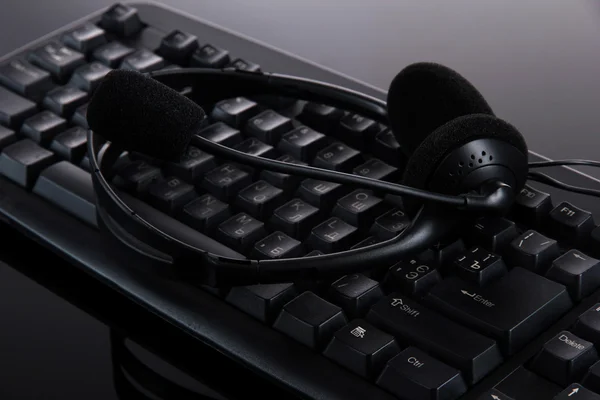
[[85, 38], [376, 169], [339, 157], [178, 46], [222, 134], [57, 59], [209, 56], [25, 79], [357, 130], [234, 112], [302, 143], [268, 126], [143, 61]]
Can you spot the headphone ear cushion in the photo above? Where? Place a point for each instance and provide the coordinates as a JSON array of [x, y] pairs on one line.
[[427, 157]]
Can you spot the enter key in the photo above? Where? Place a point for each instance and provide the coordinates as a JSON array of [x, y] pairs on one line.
[[513, 310]]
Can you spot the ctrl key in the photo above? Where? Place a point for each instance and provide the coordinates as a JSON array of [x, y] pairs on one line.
[[414, 375]]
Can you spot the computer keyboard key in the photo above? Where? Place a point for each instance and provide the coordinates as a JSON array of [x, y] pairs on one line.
[[533, 251], [321, 194], [570, 224], [355, 293], [135, 176], [286, 182], [85, 164], [565, 358], [532, 206], [70, 188], [493, 234], [7, 137], [209, 56], [587, 325], [263, 302], [43, 127], [321, 117], [362, 348], [579, 272], [122, 20], [415, 375], [277, 245], [338, 157], [25, 78], [414, 277], [170, 194], [268, 126], [332, 235], [591, 379], [240, 232], [226, 181], [85, 38], [243, 65], [143, 61], [14, 109], [390, 224], [192, 165], [356, 130], [222, 133], [57, 59], [23, 161], [260, 199], [310, 320], [443, 253], [79, 117], [111, 54], [235, 112], [366, 242], [255, 147], [178, 46], [513, 309], [70, 145], [377, 169], [524, 384], [386, 147], [479, 266], [296, 218], [413, 324], [65, 100], [205, 213], [302, 143], [577, 392], [88, 76], [359, 208]]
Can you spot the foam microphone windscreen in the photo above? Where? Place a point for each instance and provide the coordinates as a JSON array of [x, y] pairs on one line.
[[425, 96], [143, 115]]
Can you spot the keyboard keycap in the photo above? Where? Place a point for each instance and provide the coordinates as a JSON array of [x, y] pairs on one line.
[[579, 272], [362, 348], [209, 56], [587, 325], [205, 213], [321, 194], [512, 310], [243, 65], [178, 46], [57, 59], [332, 235], [226, 181], [7, 137], [493, 234], [570, 224], [79, 117], [386, 147], [85, 38], [240, 232], [302, 143], [260, 199], [192, 165], [357, 130], [43, 127], [443, 253], [88, 77], [565, 358], [111, 54], [532, 206], [413, 324], [310, 320], [524, 384], [143, 61], [286, 182], [23, 161], [321, 117], [25, 79], [296, 218], [413, 277], [122, 20], [268, 126], [235, 112], [136, 176], [263, 302], [355, 293], [70, 188], [377, 169], [533, 251], [338, 157], [359, 208], [277, 245], [415, 375], [577, 392], [71, 144], [170, 195], [479, 266], [390, 224], [222, 134], [591, 380], [14, 109], [65, 100], [256, 148]]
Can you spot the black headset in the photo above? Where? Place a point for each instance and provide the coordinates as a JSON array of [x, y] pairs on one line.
[[463, 162]]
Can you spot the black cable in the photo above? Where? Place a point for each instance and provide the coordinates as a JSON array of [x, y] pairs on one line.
[[548, 180], [558, 163]]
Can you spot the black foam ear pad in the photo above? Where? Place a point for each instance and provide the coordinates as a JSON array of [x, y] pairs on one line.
[[427, 157]]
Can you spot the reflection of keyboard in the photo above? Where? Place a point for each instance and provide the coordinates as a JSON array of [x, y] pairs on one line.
[[505, 310]]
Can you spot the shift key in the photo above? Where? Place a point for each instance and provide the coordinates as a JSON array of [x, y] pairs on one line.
[[415, 325], [513, 310]]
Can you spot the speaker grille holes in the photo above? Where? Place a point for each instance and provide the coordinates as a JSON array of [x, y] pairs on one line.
[[491, 158], [461, 164], [483, 153], [472, 156], [470, 165], [480, 161]]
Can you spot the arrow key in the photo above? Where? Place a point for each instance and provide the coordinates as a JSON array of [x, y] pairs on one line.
[[577, 392]]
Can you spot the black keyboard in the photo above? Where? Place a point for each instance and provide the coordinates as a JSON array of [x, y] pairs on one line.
[[507, 309]]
